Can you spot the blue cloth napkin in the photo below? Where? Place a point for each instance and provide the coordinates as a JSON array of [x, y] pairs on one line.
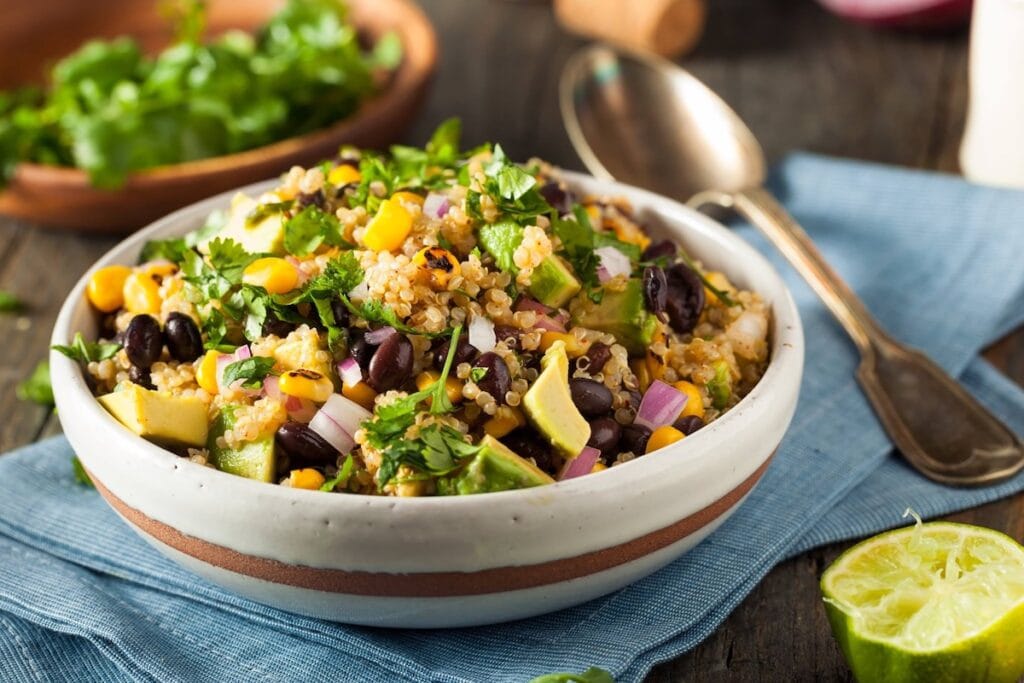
[[937, 260]]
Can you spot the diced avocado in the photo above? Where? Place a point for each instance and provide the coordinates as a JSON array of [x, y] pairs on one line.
[[552, 282], [720, 386], [494, 468], [159, 416], [622, 313], [548, 404], [255, 459], [258, 232]]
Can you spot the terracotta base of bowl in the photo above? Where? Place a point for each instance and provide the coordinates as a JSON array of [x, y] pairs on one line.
[[443, 594]]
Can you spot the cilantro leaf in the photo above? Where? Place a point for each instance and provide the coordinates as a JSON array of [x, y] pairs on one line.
[[311, 227], [229, 259], [591, 675], [477, 374], [251, 370], [36, 387], [344, 473], [86, 352], [172, 250]]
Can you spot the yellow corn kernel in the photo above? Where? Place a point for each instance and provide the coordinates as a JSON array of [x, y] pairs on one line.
[[655, 365], [273, 274], [452, 386], [663, 436], [141, 294], [206, 373], [504, 421], [306, 478], [594, 213], [438, 265], [628, 231], [410, 197], [306, 384], [361, 393], [389, 228], [720, 282], [105, 290], [343, 175], [694, 401], [411, 489], [574, 348], [643, 375], [598, 467], [159, 268]]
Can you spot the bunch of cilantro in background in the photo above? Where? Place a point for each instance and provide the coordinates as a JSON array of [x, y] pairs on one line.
[[110, 109]]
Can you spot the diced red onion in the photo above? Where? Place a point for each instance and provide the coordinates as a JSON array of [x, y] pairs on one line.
[[660, 405], [377, 337], [332, 433], [525, 303], [436, 205], [546, 322], [903, 13], [300, 409], [350, 372], [562, 317], [243, 352], [345, 413], [481, 334], [272, 389], [223, 361], [581, 464], [612, 263]]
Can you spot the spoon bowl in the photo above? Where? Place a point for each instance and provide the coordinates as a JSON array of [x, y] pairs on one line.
[[645, 121]]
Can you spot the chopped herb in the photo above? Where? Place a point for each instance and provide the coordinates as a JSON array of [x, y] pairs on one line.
[[477, 374], [311, 227], [229, 259], [172, 250], [87, 352], [264, 211], [513, 190], [36, 388], [722, 296], [344, 473], [591, 675], [81, 476], [9, 303], [252, 370]]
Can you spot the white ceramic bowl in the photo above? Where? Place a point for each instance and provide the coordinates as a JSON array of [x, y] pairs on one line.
[[446, 561]]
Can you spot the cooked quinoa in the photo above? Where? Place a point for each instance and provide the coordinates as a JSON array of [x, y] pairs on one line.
[[429, 322]]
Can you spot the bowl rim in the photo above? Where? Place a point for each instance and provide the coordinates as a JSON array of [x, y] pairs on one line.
[[415, 68], [785, 367]]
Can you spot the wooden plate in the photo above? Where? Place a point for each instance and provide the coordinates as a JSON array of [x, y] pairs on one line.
[[62, 198]]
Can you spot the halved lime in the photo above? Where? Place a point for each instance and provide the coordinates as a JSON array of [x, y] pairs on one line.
[[933, 602]]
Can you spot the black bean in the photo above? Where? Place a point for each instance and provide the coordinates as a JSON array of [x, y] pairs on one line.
[[108, 326], [301, 443], [362, 351], [527, 444], [277, 327], [655, 289], [340, 313], [591, 397], [688, 424], [597, 355], [660, 249], [605, 433], [633, 398], [559, 199], [464, 352], [142, 341], [316, 199], [634, 439], [685, 299], [184, 342], [141, 377], [508, 332], [391, 364], [496, 381]]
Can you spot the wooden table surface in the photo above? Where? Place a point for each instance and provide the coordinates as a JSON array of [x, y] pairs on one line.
[[799, 77]]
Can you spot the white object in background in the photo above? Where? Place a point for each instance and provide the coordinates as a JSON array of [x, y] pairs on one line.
[[992, 150]]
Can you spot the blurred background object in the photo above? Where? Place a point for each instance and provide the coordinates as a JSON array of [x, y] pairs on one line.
[[669, 28], [908, 14], [993, 146]]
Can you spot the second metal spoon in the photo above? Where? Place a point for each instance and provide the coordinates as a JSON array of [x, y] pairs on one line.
[[647, 122]]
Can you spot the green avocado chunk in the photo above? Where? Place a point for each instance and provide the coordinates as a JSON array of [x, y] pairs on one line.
[[262, 236], [495, 467], [548, 404], [255, 459], [552, 282], [622, 314]]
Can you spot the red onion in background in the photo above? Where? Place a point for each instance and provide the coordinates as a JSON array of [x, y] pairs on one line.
[[910, 14]]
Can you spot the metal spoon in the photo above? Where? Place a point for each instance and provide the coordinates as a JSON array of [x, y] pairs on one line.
[[647, 122]]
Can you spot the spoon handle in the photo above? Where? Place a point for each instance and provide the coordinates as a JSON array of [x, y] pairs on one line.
[[941, 429]]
